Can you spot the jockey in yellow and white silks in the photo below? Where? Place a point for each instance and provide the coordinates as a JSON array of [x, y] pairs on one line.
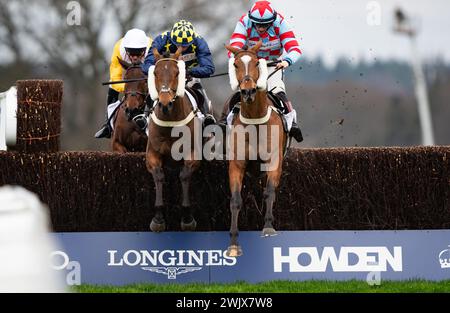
[[132, 48]]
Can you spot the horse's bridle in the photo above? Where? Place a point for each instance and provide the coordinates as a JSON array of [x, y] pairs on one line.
[[132, 113], [246, 76], [165, 89]]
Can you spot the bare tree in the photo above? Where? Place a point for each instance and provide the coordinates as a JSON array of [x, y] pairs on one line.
[[37, 32], [10, 38]]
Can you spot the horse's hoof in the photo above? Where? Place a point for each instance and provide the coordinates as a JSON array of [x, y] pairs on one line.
[[269, 232], [189, 226], [234, 251], [157, 227]]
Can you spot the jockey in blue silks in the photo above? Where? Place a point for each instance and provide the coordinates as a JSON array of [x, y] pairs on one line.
[[195, 54]]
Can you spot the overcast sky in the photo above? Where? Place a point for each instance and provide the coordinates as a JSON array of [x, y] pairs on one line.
[[334, 28]]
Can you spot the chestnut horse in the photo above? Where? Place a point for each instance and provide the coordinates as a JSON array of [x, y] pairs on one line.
[[249, 75], [127, 135], [172, 109]]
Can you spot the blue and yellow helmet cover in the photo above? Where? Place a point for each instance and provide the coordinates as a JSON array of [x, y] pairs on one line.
[[182, 33]]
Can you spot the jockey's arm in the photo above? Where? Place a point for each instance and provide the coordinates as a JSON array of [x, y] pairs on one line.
[[239, 37], [115, 69], [205, 67], [158, 43], [290, 43]]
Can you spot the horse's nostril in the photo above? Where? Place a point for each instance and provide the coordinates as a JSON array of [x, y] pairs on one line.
[[247, 92]]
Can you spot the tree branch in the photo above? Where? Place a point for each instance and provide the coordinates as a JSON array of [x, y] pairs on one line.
[[12, 41]]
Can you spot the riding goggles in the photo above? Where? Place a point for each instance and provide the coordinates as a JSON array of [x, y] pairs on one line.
[[265, 25], [135, 51]]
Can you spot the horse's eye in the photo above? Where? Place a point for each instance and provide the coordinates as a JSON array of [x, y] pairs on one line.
[[235, 65], [257, 63]]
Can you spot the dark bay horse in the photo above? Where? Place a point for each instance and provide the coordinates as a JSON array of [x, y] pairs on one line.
[[249, 75], [128, 136], [172, 109]]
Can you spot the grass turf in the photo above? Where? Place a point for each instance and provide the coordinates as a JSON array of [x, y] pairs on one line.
[[277, 287]]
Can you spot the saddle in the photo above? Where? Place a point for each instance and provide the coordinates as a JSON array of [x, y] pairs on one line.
[[277, 102], [199, 98]]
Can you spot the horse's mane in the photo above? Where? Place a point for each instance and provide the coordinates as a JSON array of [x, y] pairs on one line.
[[166, 54]]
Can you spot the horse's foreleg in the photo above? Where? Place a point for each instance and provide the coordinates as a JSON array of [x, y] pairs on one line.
[[236, 175], [158, 223], [154, 165], [273, 180], [188, 222], [142, 143], [118, 147], [138, 141]]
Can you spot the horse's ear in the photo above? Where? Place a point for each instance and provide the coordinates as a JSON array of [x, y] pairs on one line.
[[232, 49], [178, 53], [156, 54], [124, 64], [256, 47]]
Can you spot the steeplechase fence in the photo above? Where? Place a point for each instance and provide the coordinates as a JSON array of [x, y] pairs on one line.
[[321, 189]]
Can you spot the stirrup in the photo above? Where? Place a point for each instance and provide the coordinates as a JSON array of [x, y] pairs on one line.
[[104, 132], [296, 133], [209, 120]]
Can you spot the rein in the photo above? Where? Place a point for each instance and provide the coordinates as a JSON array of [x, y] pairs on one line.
[[263, 73], [166, 59], [179, 123], [174, 96], [168, 90], [212, 76], [133, 113]]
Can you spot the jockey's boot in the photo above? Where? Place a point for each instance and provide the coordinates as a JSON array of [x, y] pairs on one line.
[[209, 118], [148, 106], [222, 123], [105, 131], [236, 97], [295, 131]]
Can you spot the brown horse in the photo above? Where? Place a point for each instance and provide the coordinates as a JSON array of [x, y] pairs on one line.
[[249, 75], [128, 135], [166, 81]]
